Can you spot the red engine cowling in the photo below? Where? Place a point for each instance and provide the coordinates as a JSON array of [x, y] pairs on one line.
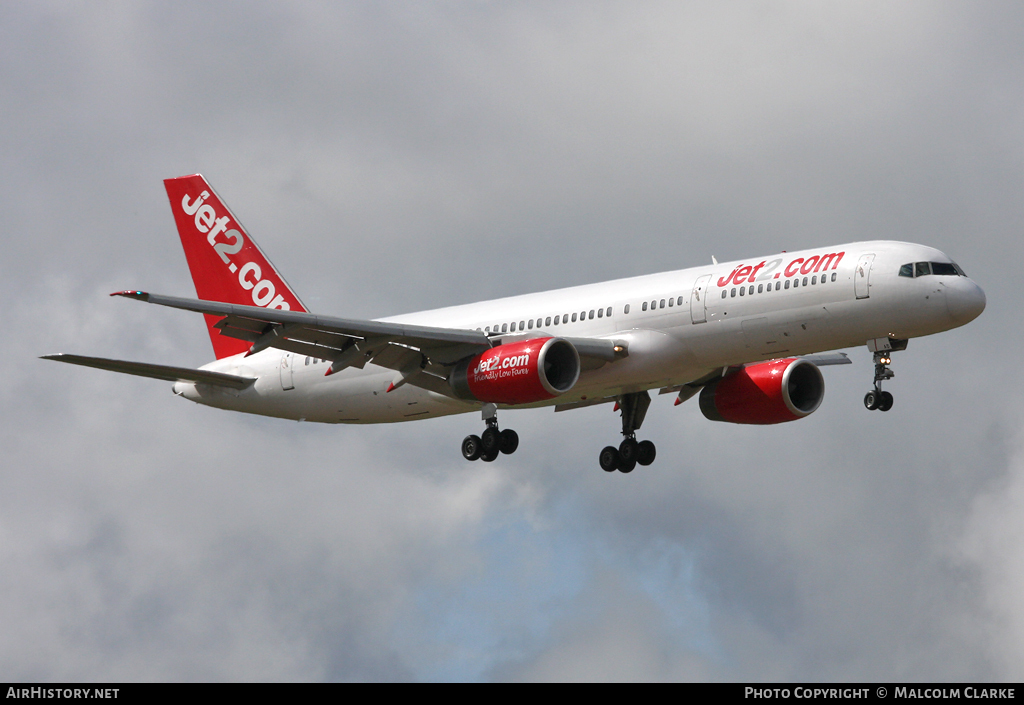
[[765, 393], [518, 373]]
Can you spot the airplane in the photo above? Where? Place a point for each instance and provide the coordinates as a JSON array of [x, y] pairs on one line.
[[748, 337]]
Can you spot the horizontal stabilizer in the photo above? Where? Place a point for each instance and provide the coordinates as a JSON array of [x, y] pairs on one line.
[[164, 372]]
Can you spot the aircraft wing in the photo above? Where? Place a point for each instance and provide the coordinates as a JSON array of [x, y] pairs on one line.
[[353, 342], [165, 372], [828, 358], [326, 337]]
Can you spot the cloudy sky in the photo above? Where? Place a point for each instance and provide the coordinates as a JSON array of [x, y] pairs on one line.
[[396, 156]]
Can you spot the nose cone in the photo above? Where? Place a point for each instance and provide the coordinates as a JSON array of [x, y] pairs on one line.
[[965, 302]]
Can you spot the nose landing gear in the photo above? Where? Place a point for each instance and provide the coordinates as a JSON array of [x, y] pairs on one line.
[[630, 452], [882, 349], [491, 442]]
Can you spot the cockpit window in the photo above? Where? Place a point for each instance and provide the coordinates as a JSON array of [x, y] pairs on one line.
[[941, 269]]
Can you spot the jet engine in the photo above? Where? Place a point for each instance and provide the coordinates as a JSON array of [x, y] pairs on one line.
[[765, 393], [518, 373]]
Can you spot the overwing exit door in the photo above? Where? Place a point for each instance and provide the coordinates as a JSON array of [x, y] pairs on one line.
[[287, 371]]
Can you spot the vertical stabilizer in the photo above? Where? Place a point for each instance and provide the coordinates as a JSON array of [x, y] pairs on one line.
[[226, 264]]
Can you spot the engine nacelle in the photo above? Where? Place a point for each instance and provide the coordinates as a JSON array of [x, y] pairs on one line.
[[765, 393], [518, 373]]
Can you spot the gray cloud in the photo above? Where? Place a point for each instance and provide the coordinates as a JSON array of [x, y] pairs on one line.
[[390, 158]]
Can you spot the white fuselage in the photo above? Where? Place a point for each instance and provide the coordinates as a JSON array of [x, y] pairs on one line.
[[700, 322]]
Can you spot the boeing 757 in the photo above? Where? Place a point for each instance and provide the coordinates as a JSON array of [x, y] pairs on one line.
[[748, 337]]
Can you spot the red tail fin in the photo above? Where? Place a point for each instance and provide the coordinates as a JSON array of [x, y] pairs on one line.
[[226, 263]]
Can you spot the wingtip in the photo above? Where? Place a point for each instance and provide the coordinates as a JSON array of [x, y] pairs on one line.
[[132, 294]]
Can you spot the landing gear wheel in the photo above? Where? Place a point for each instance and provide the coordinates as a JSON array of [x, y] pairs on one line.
[[645, 453], [609, 459], [471, 448], [634, 408], [871, 400], [508, 441], [628, 451], [489, 457], [490, 440], [885, 403]]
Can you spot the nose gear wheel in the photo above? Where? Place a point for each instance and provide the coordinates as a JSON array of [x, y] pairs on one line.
[[876, 398]]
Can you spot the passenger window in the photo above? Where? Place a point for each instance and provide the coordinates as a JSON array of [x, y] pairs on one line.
[[751, 292], [645, 306], [787, 283], [583, 315], [307, 360], [557, 319], [724, 292], [625, 309], [529, 324], [521, 326], [833, 276], [608, 312], [814, 279], [487, 329], [662, 303], [778, 285], [574, 318], [760, 288], [600, 313], [513, 328], [654, 305], [922, 269], [733, 294], [805, 282], [743, 291], [670, 302], [547, 321], [679, 301], [591, 316], [504, 327]]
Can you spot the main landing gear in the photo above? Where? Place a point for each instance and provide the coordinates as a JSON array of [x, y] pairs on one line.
[[882, 349], [630, 452], [491, 442]]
